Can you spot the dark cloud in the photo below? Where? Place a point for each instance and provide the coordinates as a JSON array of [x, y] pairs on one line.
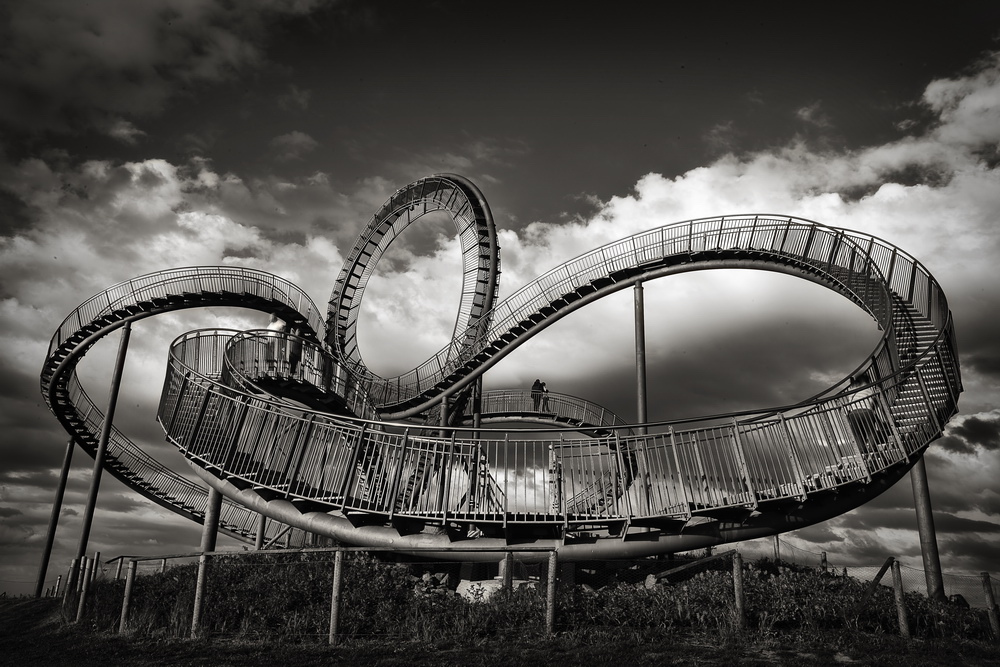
[[976, 552], [69, 66], [292, 146], [967, 435], [949, 523]]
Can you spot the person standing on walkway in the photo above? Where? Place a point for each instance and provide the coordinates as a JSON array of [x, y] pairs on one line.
[[536, 394]]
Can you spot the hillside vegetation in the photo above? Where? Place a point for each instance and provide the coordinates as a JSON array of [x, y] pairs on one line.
[[276, 609]]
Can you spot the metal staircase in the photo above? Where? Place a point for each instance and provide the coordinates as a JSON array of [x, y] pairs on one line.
[[136, 299]]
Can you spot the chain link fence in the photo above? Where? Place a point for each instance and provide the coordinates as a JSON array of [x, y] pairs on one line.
[[961, 589]]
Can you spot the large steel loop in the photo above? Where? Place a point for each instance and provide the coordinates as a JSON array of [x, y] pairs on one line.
[[465, 204]]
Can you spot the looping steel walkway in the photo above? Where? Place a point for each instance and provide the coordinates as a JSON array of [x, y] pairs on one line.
[[303, 432]]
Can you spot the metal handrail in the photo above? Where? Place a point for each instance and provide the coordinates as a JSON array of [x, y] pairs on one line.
[[142, 296], [213, 408], [783, 457], [194, 279], [781, 237]]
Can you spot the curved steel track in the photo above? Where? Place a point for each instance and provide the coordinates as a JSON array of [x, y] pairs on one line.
[[326, 445]]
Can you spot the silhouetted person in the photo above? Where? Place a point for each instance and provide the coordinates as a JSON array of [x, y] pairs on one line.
[[536, 393], [545, 398], [294, 350]]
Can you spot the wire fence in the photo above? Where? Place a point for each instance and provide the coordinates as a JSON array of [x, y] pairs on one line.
[[959, 588], [332, 594]]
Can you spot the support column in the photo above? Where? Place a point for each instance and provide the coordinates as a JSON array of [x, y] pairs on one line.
[[507, 571], [477, 406], [50, 536], [261, 532], [209, 534], [925, 527], [642, 415], [640, 358], [102, 443]]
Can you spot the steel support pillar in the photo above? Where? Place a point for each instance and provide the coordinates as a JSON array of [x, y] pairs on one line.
[[477, 405], [261, 532], [925, 528], [102, 442], [209, 534], [642, 413], [50, 536], [640, 358]]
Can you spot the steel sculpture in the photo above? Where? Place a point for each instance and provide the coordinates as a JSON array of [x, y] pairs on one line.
[[296, 427]]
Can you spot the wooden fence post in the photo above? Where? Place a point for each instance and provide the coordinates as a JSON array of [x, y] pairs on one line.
[[550, 597], [897, 588], [872, 586], [127, 598], [738, 590], [95, 570], [84, 583], [991, 604], [70, 581], [338, 568]]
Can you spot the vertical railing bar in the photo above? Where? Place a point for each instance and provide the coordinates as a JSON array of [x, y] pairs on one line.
[[680, 473], [742, 462], [793, 457]]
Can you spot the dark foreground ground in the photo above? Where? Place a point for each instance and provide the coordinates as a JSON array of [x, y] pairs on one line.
[[32, 634]]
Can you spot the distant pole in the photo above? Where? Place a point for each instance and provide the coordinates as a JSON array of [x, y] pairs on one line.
[[925, 528], [640, 358], [50, 536], [102, 443], [991, 605]]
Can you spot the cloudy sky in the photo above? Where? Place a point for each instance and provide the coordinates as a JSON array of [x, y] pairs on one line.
[[136, 137]]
